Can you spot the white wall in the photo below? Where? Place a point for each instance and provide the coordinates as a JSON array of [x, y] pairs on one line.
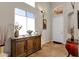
[[76, 21], [68, 10], [46, 34], [7, 19]]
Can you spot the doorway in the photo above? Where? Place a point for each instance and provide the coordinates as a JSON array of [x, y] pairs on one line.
[[58, 28]]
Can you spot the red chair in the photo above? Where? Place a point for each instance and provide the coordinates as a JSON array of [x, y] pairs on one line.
[[72, 48]]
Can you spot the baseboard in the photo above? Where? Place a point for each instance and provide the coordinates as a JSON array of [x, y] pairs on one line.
[[44, 42]]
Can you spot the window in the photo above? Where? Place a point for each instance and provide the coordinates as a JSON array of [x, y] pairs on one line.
[[21, 20], [25, 19], [30, 22]]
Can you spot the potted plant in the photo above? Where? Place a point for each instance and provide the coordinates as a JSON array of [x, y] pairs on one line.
[[17, 28]]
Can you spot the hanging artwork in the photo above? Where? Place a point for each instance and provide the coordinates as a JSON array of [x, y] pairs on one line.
[[44, 20], [44, 23], [58, 10]]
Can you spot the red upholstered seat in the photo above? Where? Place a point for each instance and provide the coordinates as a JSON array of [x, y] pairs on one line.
[[72, 49]]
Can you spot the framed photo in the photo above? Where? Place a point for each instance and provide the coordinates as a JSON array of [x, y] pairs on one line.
[[44, 23]]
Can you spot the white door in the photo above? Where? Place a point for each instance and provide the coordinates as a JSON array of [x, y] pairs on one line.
[[58, 28]]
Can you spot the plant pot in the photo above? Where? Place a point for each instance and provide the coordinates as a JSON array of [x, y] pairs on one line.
[[16, 33]]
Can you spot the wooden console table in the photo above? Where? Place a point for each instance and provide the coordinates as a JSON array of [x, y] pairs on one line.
[[25, 45]]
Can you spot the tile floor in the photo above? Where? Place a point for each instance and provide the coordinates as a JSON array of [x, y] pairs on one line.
[[51, 50]]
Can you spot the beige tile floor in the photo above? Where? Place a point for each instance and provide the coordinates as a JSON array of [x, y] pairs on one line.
[[51, 50]]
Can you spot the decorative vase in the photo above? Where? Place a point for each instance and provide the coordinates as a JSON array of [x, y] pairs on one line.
[[72, 33], [16, 34], [72, 38], [29, 32]]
